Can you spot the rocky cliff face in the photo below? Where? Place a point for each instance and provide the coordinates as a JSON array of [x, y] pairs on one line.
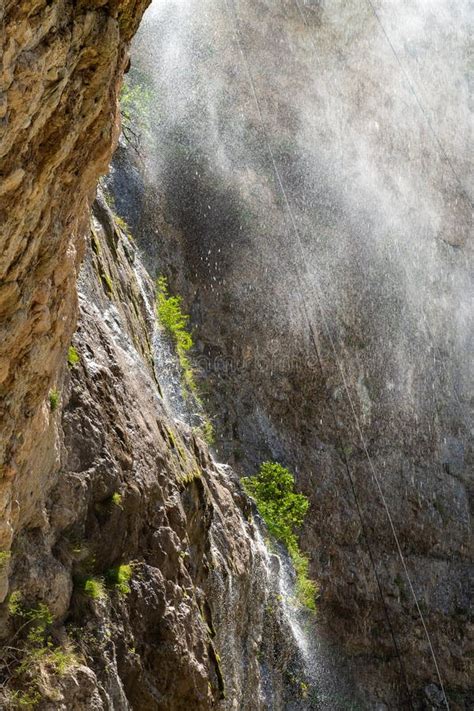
[[386, 240], [62, 65], [132, 575], [131, 572], [196, 618]]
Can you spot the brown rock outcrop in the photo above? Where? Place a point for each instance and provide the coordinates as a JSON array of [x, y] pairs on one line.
[[62, 64]]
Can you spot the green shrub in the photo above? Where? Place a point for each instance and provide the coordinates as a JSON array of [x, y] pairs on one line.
[[120, 577], [284, 511], [120, 222], [206, 432], [171, 316], [93, 588], [108, 197], [26, 699], [175, 323], [135, 109], [117, 499], [72, 356], [35, 620], [54, 398], [15, 603], [34, 657]]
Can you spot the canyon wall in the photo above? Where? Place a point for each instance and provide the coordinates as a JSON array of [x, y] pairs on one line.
[[197, 616], [62, 66], [97, 476], [373, 264]]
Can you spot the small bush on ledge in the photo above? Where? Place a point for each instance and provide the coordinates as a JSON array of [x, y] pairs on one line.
[[54, 398], [284, 511], [116, 499], [72, 356], [93, 588], [206, 432], [119, 577], [32, 662]]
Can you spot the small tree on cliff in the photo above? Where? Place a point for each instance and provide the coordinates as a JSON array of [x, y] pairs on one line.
[[284, 511]]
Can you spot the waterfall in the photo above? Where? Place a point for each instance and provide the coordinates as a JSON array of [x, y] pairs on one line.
[[166, 365], [311, 679], [272, 575], [273, 121], [324, 683]]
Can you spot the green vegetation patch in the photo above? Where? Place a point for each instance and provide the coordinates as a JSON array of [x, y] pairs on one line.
[[136, 108], [175, 322], [4, 559], [54, 398], [284, 511], [107, 281], [123, 225], [93, 588], [119, 577], [190, 476], [206, 432], [33, 659], [116, 499], [72, 356], [95, 242]]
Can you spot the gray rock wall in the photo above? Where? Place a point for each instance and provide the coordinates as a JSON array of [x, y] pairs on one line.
[[381, 197]]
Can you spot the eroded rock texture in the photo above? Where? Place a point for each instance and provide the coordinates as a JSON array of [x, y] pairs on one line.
[[138, 488], [384, 265], [95, 472], [62, 64]]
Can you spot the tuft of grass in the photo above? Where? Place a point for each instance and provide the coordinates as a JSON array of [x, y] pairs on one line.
[[107, 282], [72, 356], [26, 699], [119, 577], [54, 398], [117, 499], [15, 603], [206, 432], [95, 242], [108, 197], [93, 588], [177, 445], [190, 476], [175, 322], [284, 511], [123, 225], [306, 589], [30, 663]]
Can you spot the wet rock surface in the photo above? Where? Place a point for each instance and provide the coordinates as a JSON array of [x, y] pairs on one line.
[[96, 473], [200, 625], [387, 247]]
